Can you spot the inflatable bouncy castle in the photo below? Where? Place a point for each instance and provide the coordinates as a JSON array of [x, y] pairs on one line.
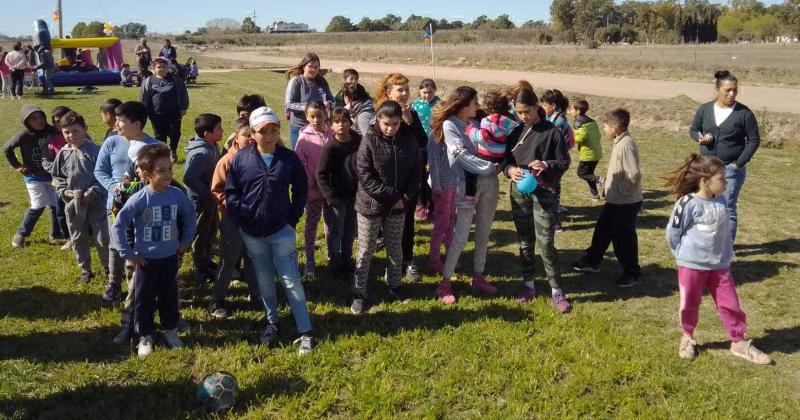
[[78, 68]]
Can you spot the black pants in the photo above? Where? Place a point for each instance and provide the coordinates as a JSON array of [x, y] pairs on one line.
[[61, 217], [425, 193], [156, 284], [32, 216], [617, 225], [17, 82], [167, 127], [586, 173]]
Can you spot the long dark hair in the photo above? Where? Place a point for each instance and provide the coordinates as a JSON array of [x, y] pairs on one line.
[[528, 97], [686, 179], [555, 97], [457, 100], [298, 69]]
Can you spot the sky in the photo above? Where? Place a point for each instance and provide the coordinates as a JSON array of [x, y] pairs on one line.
[[177, 16]]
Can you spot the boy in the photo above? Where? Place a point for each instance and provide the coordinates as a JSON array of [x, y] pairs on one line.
[[623, 189], [201, 159], [155, 212], [126, 76], [349, 76], [590, 147], [167, 100], [113, 164], [32, 141], [265, 194], [109, 116], [73, 171]]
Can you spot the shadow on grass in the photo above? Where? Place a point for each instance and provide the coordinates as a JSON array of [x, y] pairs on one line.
[[783, 340], [43, 303], [790, 245], [163, 400], [92, 345]]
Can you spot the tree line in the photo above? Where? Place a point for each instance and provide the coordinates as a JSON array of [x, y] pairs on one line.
[[94, 29]]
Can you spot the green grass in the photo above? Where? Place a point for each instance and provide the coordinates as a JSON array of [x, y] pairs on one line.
[[614, 356]]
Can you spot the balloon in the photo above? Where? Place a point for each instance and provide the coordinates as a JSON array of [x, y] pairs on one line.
[[528, 183]]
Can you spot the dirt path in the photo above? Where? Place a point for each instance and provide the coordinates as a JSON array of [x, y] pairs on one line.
[[756, 97]]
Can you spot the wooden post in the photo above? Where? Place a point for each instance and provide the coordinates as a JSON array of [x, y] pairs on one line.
[[60, 21]]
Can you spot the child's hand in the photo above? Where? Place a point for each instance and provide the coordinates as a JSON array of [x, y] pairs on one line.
[[538, 166], [69, 194], [139, 261], [516, 173], [23, 170]]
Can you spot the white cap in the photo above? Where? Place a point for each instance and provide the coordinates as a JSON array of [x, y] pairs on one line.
[[262, 116]]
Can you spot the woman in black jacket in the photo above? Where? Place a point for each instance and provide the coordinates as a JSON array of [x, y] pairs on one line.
[[388, 183], [728, 131]]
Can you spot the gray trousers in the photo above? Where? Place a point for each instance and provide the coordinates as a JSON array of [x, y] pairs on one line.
[[368, 229], [89, 230], [231, 248]]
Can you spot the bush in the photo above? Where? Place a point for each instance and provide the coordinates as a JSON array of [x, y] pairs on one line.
[[591, 44]]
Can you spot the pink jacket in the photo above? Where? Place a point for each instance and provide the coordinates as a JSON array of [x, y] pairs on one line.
[[16, 60], [4, 70], [309, 149]]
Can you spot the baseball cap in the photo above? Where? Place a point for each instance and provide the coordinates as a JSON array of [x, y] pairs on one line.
[[262, 116]]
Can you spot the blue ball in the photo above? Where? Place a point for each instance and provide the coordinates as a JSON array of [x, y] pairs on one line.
[[528, 183], [217, 391]]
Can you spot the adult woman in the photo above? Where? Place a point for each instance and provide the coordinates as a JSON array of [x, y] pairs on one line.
[[394, 87], [306, 84], [449, 125], [17, 62], [728, 131], [536, 146]]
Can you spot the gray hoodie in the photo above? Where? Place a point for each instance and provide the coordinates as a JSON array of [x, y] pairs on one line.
[[32, 144], [201, 159], [699, 233]]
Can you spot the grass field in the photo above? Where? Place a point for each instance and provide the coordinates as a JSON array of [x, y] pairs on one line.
[[613, 356]]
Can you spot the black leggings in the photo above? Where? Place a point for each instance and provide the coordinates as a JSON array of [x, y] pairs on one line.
[[167, 127], [17, 82]]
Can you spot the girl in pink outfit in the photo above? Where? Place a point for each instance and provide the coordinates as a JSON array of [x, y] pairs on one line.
[[5, 74], [309, 149]]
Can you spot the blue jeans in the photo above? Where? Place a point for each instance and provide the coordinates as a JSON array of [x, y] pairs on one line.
[[342, 234], [277, 255], [735, 178], [294, 134]]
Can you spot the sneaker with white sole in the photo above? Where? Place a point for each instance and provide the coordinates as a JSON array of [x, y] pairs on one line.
[[412, 273], [306, 344], [747, 351], [269, 335], [67, 245], [18, 241], [687, 349], [145, 347], [173, 340]]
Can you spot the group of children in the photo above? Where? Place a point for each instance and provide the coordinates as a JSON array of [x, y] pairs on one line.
[[362, 168]]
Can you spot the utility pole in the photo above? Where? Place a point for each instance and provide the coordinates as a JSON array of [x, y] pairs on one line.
[[60, 20], [254, 16]]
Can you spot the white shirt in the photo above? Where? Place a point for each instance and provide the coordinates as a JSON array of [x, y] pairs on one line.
[[721, 114]]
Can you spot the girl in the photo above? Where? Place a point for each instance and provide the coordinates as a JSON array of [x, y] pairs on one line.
[[424, 107], [337, 179], [536, 146], [306, 84], [54, 145], [309, 149], [388, 182], [449, 127], [699, 235], [359, 105], [443, 185], [5, 75], [554, 104], [394, 87]]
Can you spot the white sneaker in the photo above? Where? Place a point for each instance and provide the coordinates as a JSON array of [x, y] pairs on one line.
[[67, 245], [145, 346], [172, 339], [306, 344]]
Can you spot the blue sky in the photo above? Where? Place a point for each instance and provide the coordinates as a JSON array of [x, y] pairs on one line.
[[177, 16]]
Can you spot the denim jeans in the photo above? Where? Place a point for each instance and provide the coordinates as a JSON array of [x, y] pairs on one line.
[[735, 178], [294, 134], [342, 234], [277, 255]]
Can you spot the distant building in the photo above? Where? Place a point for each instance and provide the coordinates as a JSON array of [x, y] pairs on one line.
[[282, 28], [786, 38]]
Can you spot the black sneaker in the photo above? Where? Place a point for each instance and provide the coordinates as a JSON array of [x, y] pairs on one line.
[[85, 278], [269, 335], [217, 310], [627, 280], [358, 306], [396, 294], [112, 293], [585, 268], [123, 337]]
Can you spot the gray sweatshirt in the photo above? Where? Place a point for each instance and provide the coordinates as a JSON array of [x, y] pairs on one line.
[[699, 233]]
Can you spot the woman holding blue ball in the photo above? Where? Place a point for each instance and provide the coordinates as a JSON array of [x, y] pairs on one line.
[[536, 157]]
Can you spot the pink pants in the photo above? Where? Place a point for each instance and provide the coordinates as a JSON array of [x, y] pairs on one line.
[[315, 209], [444, 221], [722, 288]]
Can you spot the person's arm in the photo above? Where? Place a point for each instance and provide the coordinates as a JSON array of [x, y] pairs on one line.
[[468, 161], [630, 165], [124, 218], [509, 161], [299, 184], [188, 222], [233, 190], [145, 94], [48, 157], [293, 95], [193, 178], [330, 99], [679, 222], [434, 165], [752, 142], [581, 135], [370, 181], [696, 129], [183, 96], [103, 172], [218, 184], [11, 156], [477, 134], [325, 177], [363, 123], [561, 162], [411, 190], [59, 178]]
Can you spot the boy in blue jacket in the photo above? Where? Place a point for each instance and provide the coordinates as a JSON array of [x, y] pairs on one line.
[[259, 200]]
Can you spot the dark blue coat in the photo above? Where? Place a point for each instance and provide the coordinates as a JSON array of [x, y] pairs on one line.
[[258, 198]]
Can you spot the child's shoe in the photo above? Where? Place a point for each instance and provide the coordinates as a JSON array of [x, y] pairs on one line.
[[747, 351], [687, 348], [527, 294], [18, 241], [306, 344], [85, 278], [479, 283], [172, 339], [269, 335], [421, 214], [145, 347], [560, 303], [445, 293]]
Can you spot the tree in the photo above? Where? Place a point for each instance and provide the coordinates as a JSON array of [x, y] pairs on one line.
[[502, 22], [131, 30], [562, 15], [223, 25], [339, 24], [765, 27], [535, 24], [77, 30], [480, 22], [730, 26], [93, 29], [249, 26]]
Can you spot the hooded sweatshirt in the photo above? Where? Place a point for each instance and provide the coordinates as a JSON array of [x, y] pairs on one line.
[[32, 145], [699, 233], [201, 159], [220, 176], [309, 150], [490, 137], [541, 141]]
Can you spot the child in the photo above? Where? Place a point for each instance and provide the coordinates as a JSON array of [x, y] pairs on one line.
[[201, 159], [126, 76], [349, 76], [554, 104], [268, 172], [426, 102], [360, 105], [155, 212], [5, 75], [246, 105], [167, 100], [590, 149], [109, 116], [444, 189], [699, 236], [623, 189], [32, 140], [309, 148], [490, 137], [230, 240], [388, 175], [54, 145], [338, 182], [73, 171], [306, 84]]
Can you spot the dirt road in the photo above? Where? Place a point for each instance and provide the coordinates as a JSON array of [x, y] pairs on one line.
[[757, 98]]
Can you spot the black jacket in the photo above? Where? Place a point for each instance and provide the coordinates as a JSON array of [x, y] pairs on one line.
[[388, 170], [735, 141], [337, 175], [543, 142]]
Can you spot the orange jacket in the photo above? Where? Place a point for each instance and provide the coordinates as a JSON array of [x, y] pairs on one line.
[[220, 177]]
